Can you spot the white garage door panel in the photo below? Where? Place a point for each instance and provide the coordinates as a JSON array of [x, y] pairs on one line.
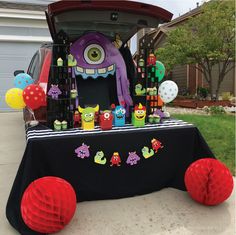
[[10, 64], [13, 56]]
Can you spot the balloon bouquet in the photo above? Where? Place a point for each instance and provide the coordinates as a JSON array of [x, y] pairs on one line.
[[25, 94]]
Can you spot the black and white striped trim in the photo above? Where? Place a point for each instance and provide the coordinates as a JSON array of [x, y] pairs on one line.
[[48, 133]]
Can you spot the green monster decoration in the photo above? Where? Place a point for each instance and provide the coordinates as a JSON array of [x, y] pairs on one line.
[[100, 158], [71, 61], [139, 115], [139, 90], [88, 117], [147, 153]]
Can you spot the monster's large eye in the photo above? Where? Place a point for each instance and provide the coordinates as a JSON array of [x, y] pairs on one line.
[[107, 115], [94, 54]]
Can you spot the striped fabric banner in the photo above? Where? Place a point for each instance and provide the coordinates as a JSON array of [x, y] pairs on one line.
[[48, 133]]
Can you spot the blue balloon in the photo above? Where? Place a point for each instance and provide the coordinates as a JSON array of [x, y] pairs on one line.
[[22, 80]]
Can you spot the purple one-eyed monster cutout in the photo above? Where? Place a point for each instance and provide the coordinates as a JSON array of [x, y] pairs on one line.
[[97, 57], [83, 151], [54, 91], [133, 158]]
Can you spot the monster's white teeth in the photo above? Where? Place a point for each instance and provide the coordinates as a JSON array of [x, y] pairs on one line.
[[90, 71], [110, 68], [102, 71], [79, 69], [94, 73]]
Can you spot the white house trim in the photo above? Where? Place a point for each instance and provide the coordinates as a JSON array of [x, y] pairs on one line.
[[23, 14], [16, 38]]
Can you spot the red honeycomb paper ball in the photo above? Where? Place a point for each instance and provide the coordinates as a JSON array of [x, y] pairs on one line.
[[208, 181], [48, 204]]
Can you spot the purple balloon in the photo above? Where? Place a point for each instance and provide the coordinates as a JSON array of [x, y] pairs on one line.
[[97, 56]]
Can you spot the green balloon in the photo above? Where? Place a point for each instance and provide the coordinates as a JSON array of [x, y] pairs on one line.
[[160, 70]]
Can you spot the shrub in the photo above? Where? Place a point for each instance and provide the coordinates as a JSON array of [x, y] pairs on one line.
[[214, 110], [202, 92]]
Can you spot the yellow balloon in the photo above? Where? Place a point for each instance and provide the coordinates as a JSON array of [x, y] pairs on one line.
[[14, 98]]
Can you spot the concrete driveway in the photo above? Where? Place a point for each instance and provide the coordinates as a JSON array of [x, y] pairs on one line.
[[168, 211]]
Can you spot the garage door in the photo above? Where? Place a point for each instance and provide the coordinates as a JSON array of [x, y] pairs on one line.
[[13, 56]]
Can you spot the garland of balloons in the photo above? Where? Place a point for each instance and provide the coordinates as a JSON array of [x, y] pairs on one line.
[[25, 93]]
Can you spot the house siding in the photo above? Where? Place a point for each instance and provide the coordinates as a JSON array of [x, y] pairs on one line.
[[179, 75], [228, 83]]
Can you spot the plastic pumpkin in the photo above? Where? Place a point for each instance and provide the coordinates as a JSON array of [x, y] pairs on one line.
[[48, 204], [14, 98], [34, 96], [208, 181]]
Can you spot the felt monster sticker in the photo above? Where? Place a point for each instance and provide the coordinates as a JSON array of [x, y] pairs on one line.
[[100, 158], [96, 56], [115, 159], [83, 151], [54, 92], [133, 158], [156, 145], [147, 153]]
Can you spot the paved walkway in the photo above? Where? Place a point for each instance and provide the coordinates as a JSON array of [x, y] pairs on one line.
[[165, 212]]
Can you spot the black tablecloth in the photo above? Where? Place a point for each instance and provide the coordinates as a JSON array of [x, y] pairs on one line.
[[50, 153]]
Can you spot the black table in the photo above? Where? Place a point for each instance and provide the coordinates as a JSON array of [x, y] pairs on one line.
[[50, 153]]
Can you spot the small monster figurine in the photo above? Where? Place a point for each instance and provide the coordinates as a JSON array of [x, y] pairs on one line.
[[105, 120], [71, 61], [151, 60], [147, 153], [76, 118], [156, 145], [139, 90], [99, 158], [115, 159], [133, 158], [83, 151], [59, 62], [87, 117], [54, 92], [141, 63], [119, 115], [139, 115]]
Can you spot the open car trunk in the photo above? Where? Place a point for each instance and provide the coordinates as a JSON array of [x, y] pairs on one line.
[[90, 28], [107, 17]]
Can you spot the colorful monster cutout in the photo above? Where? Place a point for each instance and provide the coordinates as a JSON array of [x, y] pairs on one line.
[[106, 120], [54, 92], [83, 151], [88, 117], [119, 115], [100, 158], [133, 158], [139, 90], [96, 56], [115, 159], [147, 153], [139, 115], [156, 144]]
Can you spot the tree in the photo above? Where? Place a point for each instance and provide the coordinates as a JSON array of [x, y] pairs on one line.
[[207, 39]]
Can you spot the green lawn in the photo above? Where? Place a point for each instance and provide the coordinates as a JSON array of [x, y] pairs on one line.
[[219, 133]]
